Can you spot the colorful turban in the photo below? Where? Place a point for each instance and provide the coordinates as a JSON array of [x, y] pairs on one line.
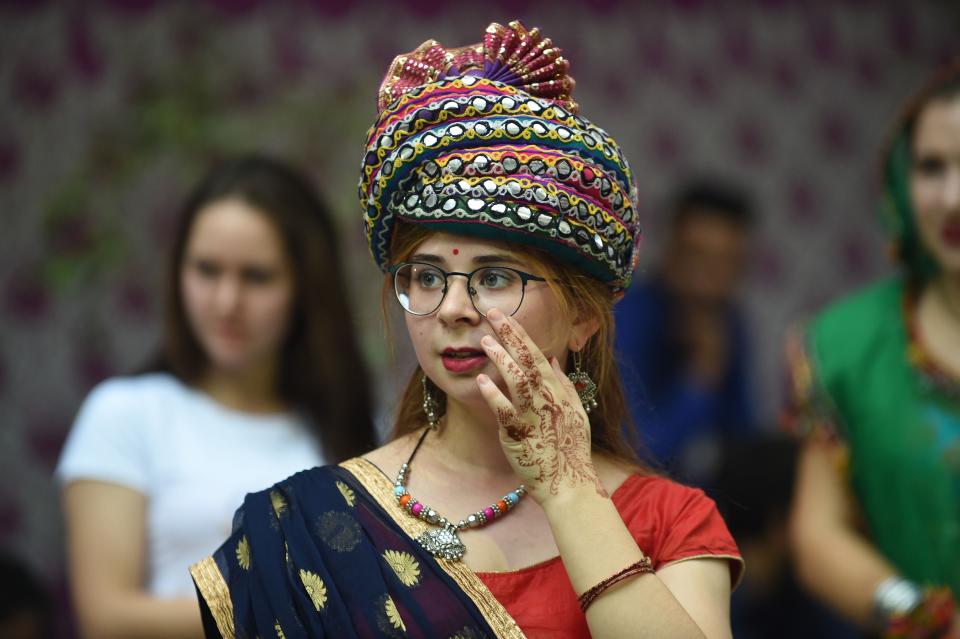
[[485, 141]]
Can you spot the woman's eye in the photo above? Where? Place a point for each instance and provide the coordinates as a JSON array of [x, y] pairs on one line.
[[929, 166], [206, 269], [496, 278], [430, 279], [257, 275]]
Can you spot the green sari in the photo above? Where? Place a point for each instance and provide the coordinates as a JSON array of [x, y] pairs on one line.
[[860, 375]]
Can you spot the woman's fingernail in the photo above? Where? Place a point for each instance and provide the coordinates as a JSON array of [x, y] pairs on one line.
[[483, 379], [486, 341], [494, 314]]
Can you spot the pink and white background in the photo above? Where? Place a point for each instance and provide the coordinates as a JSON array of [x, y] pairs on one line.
[[109, 110]]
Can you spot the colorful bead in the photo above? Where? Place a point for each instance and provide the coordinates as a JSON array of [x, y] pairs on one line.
[[502, 505], [399, 491], [405, 500], [488, 512]]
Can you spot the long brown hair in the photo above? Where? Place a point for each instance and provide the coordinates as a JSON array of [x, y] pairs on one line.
[[579, 296], [321, 372]]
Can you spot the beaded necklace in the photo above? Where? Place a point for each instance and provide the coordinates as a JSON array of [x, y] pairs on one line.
[[445, 542], [933, 376]]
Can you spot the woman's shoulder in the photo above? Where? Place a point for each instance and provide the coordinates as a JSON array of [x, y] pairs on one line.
[[861, 313], [134, 389]]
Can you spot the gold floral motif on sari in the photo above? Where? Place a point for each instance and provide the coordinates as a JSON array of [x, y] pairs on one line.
[[315, 588], [279, 503], [347, 493], [339, 531], [276, 626], [404, 565], [243, 553], [393, 614]]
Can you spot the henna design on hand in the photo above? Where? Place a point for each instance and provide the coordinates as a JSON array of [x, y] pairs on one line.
[[554, 436]]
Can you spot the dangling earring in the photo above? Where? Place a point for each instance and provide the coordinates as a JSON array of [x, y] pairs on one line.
[[586, 387], [430, 404]]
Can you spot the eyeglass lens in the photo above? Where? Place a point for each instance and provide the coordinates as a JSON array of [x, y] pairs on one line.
[[421, 288]]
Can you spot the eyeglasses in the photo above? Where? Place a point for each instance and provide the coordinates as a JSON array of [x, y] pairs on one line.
[[421, 287]]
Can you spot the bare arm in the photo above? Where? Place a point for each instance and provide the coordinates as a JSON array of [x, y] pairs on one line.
[[686, 599], [545, 435], [106, 536], [833, 560]]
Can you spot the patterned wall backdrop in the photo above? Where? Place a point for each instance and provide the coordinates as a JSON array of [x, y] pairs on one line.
[[110, 110]]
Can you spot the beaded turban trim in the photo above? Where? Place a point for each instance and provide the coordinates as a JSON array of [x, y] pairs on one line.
[[486, 141]]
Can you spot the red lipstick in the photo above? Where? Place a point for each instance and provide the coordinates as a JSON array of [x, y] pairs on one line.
[[950, 232], [462, 360]]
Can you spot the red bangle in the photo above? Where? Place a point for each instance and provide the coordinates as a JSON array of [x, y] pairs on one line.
[[638, 568], [931, 619]]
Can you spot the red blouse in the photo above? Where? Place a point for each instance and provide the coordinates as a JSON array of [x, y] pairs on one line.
[[670, 523]]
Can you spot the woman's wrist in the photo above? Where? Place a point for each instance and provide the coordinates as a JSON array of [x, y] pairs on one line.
[[573, 499], [904, 610]]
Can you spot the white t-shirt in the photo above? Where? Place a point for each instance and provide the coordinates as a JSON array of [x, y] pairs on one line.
[[193, 459]]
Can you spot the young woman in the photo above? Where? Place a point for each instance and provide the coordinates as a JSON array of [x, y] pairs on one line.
[[258, 364], [876, 515], [505, 224]]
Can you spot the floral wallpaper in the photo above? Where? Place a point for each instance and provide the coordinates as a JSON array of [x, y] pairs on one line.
[[110, 111]]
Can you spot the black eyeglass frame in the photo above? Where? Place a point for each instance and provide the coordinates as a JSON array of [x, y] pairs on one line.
[[523, 275]]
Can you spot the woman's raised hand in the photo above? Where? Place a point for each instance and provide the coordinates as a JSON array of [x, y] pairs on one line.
[[544, 429]]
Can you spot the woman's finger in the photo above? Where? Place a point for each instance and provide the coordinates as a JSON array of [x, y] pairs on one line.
[[518, 344], [513, 376], [555, 365], [501, 406]]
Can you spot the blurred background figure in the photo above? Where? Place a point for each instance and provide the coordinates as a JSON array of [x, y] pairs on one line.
[[753, 487], [682, 343], [106, 126], [876, 516], [259, 376], [25, 609]]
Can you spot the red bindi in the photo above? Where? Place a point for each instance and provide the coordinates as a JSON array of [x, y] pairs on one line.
[[456, 251]]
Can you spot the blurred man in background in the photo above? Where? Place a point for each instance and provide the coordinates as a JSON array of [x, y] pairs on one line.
[[684, 358]]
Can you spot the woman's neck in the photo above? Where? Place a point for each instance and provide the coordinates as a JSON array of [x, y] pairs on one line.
[[949, 290], [252, 389], [469, 439], [938, 314]]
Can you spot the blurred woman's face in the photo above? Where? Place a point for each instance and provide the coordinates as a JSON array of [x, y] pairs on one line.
[[237, 284], [935, 180]]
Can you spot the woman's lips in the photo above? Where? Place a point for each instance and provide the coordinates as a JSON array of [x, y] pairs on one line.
[[461, 360], [951, 233]]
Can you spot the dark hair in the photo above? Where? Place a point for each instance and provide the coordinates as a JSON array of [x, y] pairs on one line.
[[896, 160], [321, 372], [704, 197]]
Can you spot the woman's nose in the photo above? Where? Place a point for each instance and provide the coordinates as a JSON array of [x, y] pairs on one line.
[[228, 294], [457, 305]]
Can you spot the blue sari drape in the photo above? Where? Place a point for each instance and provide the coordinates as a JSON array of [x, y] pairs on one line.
[[328, 553]]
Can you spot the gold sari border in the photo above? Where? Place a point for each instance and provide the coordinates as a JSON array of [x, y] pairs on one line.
[[215, 592], [382, 490]]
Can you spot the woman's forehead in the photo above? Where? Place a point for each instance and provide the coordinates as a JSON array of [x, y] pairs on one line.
[[450, 245]]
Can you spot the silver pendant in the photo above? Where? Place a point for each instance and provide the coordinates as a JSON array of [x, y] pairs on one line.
[[443, 543]]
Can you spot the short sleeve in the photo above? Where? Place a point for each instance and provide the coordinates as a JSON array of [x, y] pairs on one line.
[[697, 530], [808, 411], [109, 438], [672, 523]]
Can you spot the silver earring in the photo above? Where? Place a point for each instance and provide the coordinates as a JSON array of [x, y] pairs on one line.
[[430, 404], [586, 387]]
